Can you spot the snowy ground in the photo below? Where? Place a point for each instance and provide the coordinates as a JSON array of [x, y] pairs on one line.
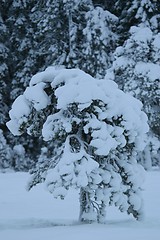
[[35, 215]]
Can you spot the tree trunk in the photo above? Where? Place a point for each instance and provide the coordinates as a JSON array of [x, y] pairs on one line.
[[87, 211], [147, 159], [102, 213], [91, 211]]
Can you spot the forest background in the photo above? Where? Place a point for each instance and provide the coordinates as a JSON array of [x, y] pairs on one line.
[[117, 40]]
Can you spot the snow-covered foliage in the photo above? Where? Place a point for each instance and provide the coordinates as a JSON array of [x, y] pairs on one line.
[[20, 160], [137, 12], [96, 129], [5, 153], [144, 12], [99, 42], [4, 72], [75, 34], [21, 44], [13, 158], [136, 69]]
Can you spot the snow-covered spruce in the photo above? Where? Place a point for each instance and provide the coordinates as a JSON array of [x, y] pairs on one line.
[[136, 69], [97, 131]]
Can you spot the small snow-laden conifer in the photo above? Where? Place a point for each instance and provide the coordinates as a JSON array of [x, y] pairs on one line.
[[5, 153], [97, 131], [20, 160], [39, 172]]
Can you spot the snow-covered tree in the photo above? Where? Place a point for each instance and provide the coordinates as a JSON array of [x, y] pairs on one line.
[[20, 160], [99, 41], [59, 31], [35, 34], [97, 131], [135, 12], [4, 71], [18, 62], [108, 5], [5, 153], [74, 34], [136, 69], [20, 27]]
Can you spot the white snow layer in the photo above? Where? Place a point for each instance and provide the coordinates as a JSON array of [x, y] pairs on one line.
[[44, 217], [147, 70], [37, 96], [18, 114], [141, 35]]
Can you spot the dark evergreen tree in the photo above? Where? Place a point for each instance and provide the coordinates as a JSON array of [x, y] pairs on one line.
[[75, 34], [20, 160], [4, 71], [99, 41], [5, 153], [135, 12], [22, 62], [105, 4], [18, 63]]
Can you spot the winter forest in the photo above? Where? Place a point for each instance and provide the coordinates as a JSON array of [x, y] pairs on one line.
[[79, 99]]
